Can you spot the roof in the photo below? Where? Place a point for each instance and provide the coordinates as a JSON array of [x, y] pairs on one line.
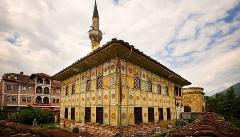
[[200, 88], [95, 11], [40, 75], [193, 90], [119, 48], [18, 78], [209, 124]]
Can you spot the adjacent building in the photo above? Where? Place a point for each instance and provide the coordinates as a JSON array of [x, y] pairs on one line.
[[19, 90], [193, 98], [118, 85]]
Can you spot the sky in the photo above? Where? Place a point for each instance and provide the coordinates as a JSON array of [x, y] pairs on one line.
[[198, 39]]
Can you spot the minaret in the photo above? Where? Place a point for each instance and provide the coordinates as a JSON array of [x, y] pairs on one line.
[[95, 34]]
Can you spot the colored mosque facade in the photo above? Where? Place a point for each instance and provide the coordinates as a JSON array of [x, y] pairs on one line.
[[118, 85]]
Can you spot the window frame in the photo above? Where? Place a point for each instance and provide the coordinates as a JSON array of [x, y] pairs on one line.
[[24, 99], [159, 89], [29, 99], [14, 98], [73, 89], [137, 86], [99, 82], [9, 87], [150, 86], [88, 85]]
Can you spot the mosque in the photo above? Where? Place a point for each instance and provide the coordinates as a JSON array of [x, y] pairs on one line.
[[117, 85]]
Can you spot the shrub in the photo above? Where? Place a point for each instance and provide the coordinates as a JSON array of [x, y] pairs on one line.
[[26, 116], [3, 115]]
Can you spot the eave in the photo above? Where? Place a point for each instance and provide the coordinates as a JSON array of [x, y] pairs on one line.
[[119, 48]]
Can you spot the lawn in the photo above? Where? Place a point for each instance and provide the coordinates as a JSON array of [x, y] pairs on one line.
[[50, 125]]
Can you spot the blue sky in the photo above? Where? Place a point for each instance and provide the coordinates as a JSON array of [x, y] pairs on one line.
[[197, 39]]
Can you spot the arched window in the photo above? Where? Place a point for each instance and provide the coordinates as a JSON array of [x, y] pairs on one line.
[[88, 85], [39, 80], [38, 100], [46, 81], [66, 90], [45, 100], [73, 89], [149, 86], [159, 89], [137, 83], [39, 90], [187, 109], [46, 90], [99, 82]]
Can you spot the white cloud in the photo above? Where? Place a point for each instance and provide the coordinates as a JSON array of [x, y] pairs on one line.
[[54, 34]]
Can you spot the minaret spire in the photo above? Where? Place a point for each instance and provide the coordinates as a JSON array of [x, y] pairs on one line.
[[95, 34], [95, 12]]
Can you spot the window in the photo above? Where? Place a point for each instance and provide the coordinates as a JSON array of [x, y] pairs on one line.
[[39, 80], [8, 98], [38, 100], [46, 90], [72, 113], [150, 114], [99, 115], [187, 109], [9, 87], [99, 82], [160, 112], [88, 85], [53, 101], [45, 100], [29, 99], [66, 90], [168, 114], [57, 100], [66, 113], [14, 98], [46, 81], [73, 89], [137, 83], [15, 87], [159, 89], [87, 114], [149, 86], [138, 115], [176, 90], [39, 90], [24, 88], [29, 88], [24, 99]]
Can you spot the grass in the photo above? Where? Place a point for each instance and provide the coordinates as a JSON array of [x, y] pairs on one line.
[[50, 125]]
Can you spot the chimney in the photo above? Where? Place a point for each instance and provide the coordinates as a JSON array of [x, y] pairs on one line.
[[21, 73]]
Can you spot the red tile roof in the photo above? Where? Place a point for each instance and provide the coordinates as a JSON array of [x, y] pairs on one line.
[[18, 78], [41, 75], [209, 124]]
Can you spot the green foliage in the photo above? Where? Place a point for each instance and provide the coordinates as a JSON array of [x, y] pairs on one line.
[[236, 122], [226, 105], [3, 115], [26, 116]]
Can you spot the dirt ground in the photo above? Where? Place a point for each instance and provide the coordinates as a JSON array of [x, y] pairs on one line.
[[11, 129]]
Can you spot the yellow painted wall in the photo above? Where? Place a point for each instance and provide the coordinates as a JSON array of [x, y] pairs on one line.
[[108, 96], [194, 98]]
